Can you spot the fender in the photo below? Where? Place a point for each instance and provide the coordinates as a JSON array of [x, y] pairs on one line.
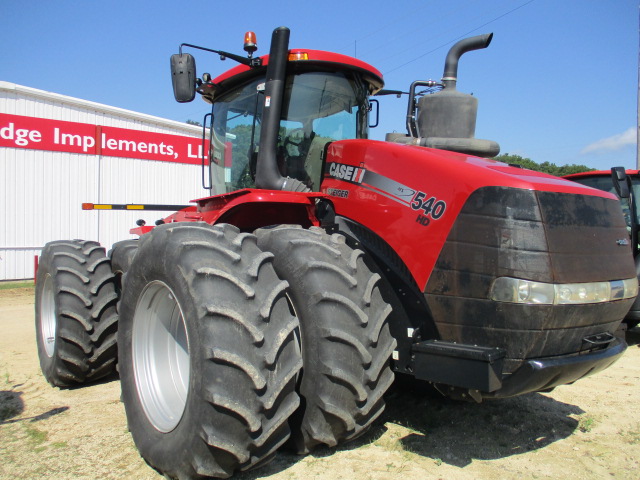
[[412, 320], [249, 209]]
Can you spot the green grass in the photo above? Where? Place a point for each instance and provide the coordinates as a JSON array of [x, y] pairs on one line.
[[37, 436], [633, 436], [12, 285], [586, 424]]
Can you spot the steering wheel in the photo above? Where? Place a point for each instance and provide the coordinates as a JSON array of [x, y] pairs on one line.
[[295, 138]]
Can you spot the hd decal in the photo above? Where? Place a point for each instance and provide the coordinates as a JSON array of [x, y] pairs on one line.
[[431, 207]]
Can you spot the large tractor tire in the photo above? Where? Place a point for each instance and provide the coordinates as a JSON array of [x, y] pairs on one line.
[[121, 256], [208, 356], [345, 339], [76, 319]]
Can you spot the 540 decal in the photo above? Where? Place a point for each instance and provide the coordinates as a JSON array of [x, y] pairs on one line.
[[431, 208]]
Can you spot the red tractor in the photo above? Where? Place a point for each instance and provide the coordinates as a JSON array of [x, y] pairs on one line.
[[626, 185], [280, 308]]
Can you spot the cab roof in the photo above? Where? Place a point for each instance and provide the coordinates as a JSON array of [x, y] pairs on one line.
[[320, 58]]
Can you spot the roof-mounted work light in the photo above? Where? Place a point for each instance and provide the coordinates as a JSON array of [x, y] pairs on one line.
[[293, 56]]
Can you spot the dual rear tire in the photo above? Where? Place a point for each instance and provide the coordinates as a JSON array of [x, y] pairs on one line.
[[76, 318], [208, 356], [345, 338], [215, 327]]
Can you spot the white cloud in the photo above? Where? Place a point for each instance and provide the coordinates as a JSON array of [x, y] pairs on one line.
[[615, 142]]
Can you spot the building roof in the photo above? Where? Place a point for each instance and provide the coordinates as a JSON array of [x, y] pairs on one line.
[[97, 107]]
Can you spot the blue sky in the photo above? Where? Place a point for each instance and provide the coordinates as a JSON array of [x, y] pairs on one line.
[[559, 82]]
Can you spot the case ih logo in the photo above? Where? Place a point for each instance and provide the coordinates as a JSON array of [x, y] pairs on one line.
[[347, 173]]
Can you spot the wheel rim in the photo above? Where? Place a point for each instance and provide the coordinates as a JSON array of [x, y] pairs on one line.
[[48, 320], [161, 356]]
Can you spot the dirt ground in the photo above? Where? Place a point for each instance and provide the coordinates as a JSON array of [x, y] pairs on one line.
[[590, 430]]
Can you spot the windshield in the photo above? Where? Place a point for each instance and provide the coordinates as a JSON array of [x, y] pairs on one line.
[[318, 108]]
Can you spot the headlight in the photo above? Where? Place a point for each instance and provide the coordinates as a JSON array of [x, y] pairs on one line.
[[516, 290]]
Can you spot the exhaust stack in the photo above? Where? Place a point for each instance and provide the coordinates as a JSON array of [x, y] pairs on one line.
[[268, 175], [447, 119], [450, 76]]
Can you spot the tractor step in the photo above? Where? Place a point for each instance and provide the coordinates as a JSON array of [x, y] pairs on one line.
[[467, 366]]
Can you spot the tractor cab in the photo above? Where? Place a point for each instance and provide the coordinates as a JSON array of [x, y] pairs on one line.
[[317, 108], [322, 97]]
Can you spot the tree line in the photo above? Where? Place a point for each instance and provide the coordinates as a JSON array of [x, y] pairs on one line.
[[546, 167]]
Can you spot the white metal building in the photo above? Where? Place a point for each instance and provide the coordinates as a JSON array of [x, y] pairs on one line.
[[57, 152]]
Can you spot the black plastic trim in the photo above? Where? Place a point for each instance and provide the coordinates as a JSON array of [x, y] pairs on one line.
[[545, 373]]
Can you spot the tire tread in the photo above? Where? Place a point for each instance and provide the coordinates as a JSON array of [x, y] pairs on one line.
[[85, 299], [346, 343], [236, 305]]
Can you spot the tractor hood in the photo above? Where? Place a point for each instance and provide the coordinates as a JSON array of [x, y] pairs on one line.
[[420, 192], [466, 172]]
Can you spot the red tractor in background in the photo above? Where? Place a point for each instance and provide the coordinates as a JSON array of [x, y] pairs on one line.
[[625, 184], [280, 308]]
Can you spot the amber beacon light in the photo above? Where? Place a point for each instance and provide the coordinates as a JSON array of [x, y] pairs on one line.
[[250, 43]]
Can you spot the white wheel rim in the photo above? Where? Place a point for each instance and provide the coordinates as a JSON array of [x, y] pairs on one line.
[[48, 320], [160, 351]]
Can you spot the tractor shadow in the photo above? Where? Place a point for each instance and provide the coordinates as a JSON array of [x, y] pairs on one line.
[[633, 337], [12, 406], [457, 433], [453, 432], [112, 377]]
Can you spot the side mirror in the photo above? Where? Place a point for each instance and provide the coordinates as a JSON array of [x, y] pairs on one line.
[[620, 181], [183, 76], [374, 106]]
